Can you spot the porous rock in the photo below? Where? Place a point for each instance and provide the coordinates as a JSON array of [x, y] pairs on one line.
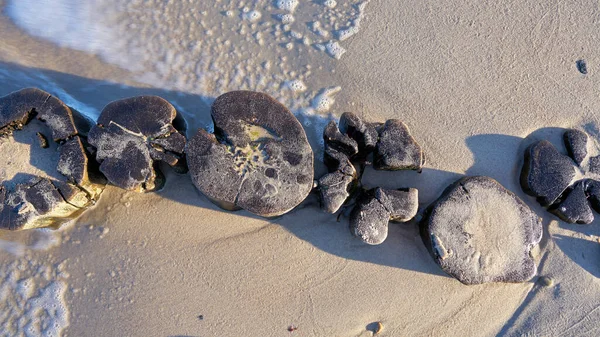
[[334, 189], [478, 232], [566, 185], [546, 172], [336, 186], [374, 209], [132, 135], [43, 201], [397, 149], [575, 207], [363, 133], [576, 144], [258, 159]]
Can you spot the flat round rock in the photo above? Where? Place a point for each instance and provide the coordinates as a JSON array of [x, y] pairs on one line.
[[478, 232], [46, 178], [258, 159], [132, 135]]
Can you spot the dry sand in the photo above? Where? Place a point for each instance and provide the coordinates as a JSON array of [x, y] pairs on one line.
[[470, 80]]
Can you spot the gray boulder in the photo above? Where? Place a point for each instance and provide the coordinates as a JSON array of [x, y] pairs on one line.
[[376, 207], [45, 201], [132, 135], [397, 149], [479, 232], [258, 158]]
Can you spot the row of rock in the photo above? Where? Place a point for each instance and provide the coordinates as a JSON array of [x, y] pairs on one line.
[[259, 159], [388, 146]]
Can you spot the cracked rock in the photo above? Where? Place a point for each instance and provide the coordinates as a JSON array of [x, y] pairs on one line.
[[575, 207], [363, 133], [58, 182], [334, 189], [566, 185], [397, 149], [376, 207], [132, 135], [546, 172], [479, 232], [258, 159], [336, 186]]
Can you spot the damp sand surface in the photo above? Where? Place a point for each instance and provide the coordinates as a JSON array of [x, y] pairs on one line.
[[470, 80]]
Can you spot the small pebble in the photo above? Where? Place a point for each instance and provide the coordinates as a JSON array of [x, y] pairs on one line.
[[546, 281], [582, 66]]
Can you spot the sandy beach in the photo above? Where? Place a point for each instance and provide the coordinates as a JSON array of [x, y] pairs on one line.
[[476, 83]]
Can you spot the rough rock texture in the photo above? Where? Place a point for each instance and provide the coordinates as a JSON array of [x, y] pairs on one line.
[[376, 207], [44, 202], [336, 140], [334, 189], [354, 141], [336, 186], [259, 158], [478, 232], [546, 172], [131, 136], [576, 144], [363, 133], [566, 185], [575, 207], [397, 149]]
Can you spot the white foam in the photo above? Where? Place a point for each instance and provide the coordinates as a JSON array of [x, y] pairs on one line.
[[172, 51], [334, 49], [288, 5], [32, 299], [251, 15]]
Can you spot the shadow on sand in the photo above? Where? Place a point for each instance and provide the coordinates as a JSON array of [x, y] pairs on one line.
[[492, 155]]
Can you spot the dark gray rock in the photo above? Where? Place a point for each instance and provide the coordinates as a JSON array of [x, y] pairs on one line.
[[17, 108], [576, 144], [478, 232], [592, 191], [376, 207], [337, 161], [131, 136], [397, 149], [43, 201], [334, 189], [594, 165], [334, 139], [259, 158], [363, 133], [575, 207], [546, 173], [403, 204]]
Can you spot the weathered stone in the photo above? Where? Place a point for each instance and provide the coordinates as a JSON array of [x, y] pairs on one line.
[[592, 189], [17, 108], [594, 165], [403, 204], [47, 201], [575, 207], [131, 136], [478, 232], [576, 144], [334, 189], [546, 172], [259, 158], [334, 139], [376, 207], [337, 161], [364, 134], [397, 149]]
